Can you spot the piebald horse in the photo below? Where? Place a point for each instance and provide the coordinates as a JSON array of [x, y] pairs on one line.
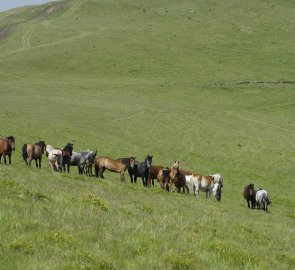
[[7, 145], [113, 165], [33, 151], [207, 184]]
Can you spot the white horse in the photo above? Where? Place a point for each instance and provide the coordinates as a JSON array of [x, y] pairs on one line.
[[54, 157], [262, 199]]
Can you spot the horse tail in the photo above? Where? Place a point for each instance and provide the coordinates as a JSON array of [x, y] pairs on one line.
[[96, 169], [24, 152]]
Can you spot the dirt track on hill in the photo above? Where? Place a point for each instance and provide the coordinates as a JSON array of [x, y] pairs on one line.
[[41, 13]]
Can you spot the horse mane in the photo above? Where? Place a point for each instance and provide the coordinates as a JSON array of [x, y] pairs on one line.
[[125, 161], [10, 138], [40, 143], [68, 146]]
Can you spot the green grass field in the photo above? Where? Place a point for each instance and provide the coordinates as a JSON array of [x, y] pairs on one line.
[[208, 83]]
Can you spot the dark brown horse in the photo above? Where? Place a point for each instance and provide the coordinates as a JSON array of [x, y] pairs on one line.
[[33, 151], [250, 195], [155, 173], [7, 145], [113, 165], [67, 152], [177, 177]]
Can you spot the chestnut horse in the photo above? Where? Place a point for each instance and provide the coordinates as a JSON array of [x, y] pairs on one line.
[[250, 195], [33, 151], [7, 145], [155, 172], [113, 165]]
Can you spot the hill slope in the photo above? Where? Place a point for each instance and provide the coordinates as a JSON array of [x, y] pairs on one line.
[[209, 84]]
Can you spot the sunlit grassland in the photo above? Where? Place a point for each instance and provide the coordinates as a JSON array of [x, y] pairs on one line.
[[160, 78]]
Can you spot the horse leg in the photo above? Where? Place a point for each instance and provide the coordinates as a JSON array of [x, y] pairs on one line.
[[130, 175], [36, 161], [30, 160], [9, 158], [248, 203], [39, 163], [101, 170], [4, 157], [122, 176]]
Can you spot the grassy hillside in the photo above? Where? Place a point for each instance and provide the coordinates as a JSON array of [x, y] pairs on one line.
[[207, 83]]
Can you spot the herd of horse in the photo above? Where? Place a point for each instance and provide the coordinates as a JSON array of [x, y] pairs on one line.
[[170, 178]]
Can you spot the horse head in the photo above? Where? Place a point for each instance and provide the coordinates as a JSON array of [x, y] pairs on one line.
[[42, 145], [176, 165], [174, 173], [11, 141], [68, 149], [149, 160], [132, 162], [217, 191]]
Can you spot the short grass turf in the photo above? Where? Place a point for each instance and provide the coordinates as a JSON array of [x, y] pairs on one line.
[[207, 83]]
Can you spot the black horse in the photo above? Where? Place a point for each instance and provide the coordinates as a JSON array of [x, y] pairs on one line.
[[141, 169], [67, 152], [250, 195]]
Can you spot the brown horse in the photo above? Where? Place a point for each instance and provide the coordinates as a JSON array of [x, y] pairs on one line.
[[7, 145], [155, 173], [177, 177], [33, 151], [113, 165]]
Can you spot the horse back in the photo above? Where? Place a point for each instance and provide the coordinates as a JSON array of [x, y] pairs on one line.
[[154, 170]]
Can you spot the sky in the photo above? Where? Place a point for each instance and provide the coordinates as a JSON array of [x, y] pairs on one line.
[[8, 4]]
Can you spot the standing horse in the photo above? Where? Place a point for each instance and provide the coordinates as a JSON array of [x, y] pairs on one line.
[[154, 174], [113, 165], [67, 152], [33, 151], [178, 179], [7, 145], [250, 195], [141, 169], [81, 158], [205, 183], [54, 157], [262, 199]]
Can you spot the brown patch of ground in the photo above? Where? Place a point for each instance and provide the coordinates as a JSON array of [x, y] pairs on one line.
[[6, 30], [46, 11]]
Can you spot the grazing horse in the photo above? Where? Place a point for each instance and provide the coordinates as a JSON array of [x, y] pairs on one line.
[[113, 165], [7, 145], [205, 183], [141, 169], [54, 157], [81, 158], [250, 195], [33, 151], [262, 199], [67, 152]]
